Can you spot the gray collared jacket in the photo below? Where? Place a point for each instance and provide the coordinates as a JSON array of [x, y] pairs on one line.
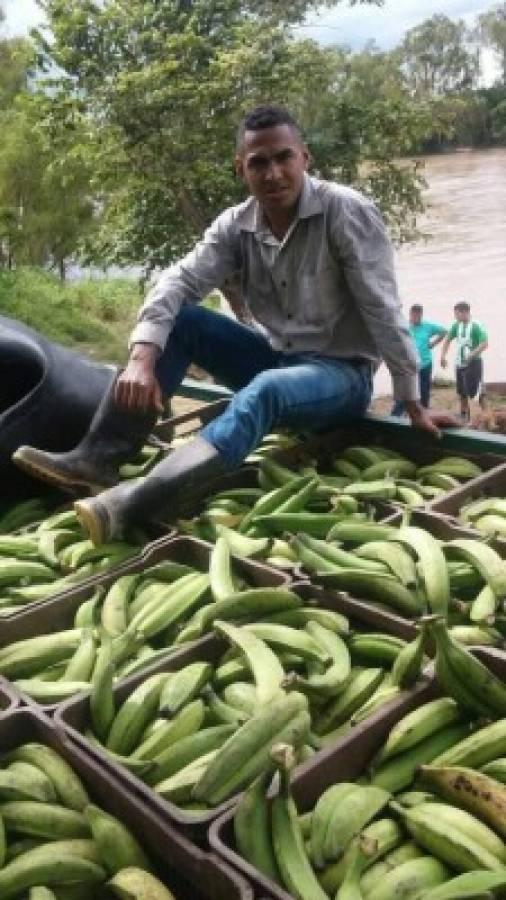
[[328, 289]]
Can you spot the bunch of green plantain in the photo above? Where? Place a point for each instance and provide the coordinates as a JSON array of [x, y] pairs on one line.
[[201, 733], [254, 518], [16, 516], [55, 844], [272, 443], [461, 675], [48, 556], [144, 615], [305, 499], [138, 617], [410, 571], [414, 485], [332, 534], [426, 822], [487, 514]]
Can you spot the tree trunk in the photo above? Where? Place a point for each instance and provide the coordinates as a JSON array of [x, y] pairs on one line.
[[61, 269]]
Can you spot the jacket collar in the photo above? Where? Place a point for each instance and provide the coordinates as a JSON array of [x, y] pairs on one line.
[[251, 217]]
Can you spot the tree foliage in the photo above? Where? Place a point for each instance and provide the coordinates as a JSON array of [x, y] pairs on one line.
[[46, 205], [164, 83], [438, 58], [493, 32]]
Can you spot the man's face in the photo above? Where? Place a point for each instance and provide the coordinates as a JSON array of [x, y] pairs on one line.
[[415, 317], [272, 163], [462, 315]]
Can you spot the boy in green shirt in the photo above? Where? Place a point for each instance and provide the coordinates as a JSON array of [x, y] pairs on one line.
[[472, 340], [425, 335]]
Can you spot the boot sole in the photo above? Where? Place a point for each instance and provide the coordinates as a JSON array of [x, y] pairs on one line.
[[48, 476], [90, 523]]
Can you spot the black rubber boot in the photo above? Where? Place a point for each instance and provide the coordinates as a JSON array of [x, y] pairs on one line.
[[164, 490], [115, 435]]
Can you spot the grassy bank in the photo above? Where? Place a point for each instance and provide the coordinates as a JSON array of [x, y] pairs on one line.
[[93, 315]]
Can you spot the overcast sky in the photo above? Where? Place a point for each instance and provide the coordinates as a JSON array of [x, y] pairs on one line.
[[386, 24], [344, 25]]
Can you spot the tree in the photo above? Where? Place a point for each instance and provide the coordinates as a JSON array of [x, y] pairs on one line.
[[492, 26], [362, 124], [163, 85], [17, 63], [438, 58], [46, 206]]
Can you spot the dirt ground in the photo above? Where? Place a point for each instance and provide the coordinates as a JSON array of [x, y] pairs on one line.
[[444, 398]]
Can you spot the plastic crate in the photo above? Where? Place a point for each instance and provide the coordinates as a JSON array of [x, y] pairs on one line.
[[9, 699], [490, 484], [343, 762], [165, 429], [439, 526], [189, 872], [421, 448], [58, 613], [74, 718]]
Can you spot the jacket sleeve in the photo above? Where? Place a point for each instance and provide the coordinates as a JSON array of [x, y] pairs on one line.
[[188, 281], [366, 254]]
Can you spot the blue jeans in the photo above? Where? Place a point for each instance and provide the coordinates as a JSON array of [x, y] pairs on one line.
[[271, 388], [425, 381]]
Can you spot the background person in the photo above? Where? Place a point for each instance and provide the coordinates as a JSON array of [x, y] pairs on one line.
[[425, 335], [471, 339], [317, 273]]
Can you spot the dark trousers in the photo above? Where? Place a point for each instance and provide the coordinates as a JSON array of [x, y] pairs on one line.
[[425, 381]]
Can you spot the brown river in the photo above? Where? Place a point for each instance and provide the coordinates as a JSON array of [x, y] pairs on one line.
[[463, 256]]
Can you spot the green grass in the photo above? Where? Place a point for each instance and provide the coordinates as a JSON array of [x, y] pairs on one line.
[[93, 315]]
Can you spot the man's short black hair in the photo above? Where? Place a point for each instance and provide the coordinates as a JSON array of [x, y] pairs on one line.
[[417, 307], [463, 306], [265, 116]]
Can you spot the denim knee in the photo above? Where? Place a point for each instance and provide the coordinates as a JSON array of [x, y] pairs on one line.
[[263, 391]]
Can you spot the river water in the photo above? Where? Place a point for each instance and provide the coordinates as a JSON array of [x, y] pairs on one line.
[[464, 254]]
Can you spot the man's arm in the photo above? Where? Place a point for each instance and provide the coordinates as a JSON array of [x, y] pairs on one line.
[[483, 341], [446, 343], [479, 349], [367, 256], [434, 341], [189, 280], [137, 386], [438, 333]]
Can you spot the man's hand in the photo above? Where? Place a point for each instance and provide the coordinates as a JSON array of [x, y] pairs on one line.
[[429, 421], [137, 387]]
